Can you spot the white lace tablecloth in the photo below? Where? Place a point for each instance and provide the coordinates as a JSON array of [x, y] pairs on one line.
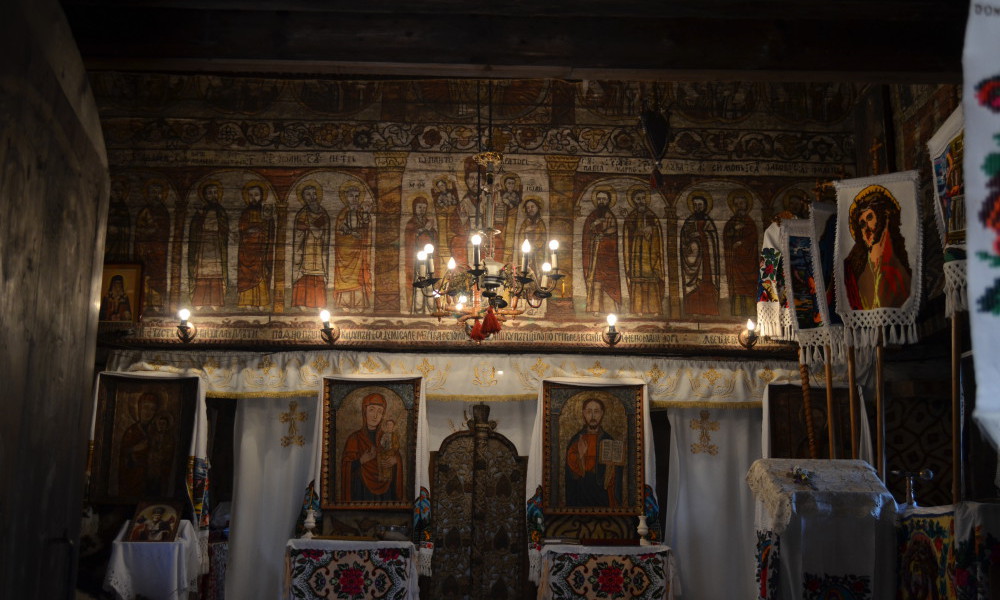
[[157, 570], [830, 487], [829, 528]]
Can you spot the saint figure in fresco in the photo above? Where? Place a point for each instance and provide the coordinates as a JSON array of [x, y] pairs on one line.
[[877, 270], [208, 249], [600, 255], [739, 242], [532, 228], [371, 467], [352, 251], [116, 246], [115, 305], [643, 255], [445, 195], [152, 243], [462, 222], [420, 230], [699, 241], [256, 248], [310, 248], [505, 214], [591, 477]]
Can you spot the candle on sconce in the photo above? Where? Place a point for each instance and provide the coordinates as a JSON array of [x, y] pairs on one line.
[[750, 325], [546, 268], [476, 241], [612, 321], [184, 315], [421, 264], [324, 315], [452, 264], [429, 250], [525, 251], [553, 246]]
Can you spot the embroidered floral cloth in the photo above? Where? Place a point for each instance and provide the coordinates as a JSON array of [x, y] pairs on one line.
[[926, 553], [977, 550], [349, 570], [981, 107], [595, 572]]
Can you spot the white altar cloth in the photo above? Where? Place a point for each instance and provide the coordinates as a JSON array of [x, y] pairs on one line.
[[157, 570], [826, 530]]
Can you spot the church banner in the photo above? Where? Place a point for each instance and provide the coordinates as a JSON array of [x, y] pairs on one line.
[[369, 443], [594, 451], [802, 246], [877, 260], [774, 317], [981, 103], [947, 150]]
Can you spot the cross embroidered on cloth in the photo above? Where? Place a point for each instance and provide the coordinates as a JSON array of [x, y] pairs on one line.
[[704, 439], [293, 417]]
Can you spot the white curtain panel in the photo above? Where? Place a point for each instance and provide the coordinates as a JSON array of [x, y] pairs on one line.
[[710, 509], [273, 468]]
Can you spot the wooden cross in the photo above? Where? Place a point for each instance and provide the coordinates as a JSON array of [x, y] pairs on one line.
[[293, 417], [875, 147], [704, 440]]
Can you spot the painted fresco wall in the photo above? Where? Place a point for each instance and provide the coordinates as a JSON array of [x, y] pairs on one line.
[[257, 202]]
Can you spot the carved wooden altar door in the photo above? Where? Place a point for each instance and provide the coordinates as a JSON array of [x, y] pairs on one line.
[[477, 513]]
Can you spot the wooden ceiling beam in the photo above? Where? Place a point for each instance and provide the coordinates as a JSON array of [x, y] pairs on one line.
[[807, 10], [429, 45]]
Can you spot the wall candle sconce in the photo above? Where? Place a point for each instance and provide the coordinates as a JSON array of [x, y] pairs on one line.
[[185, 331], [329, 333], [611, 336], [748, 337]]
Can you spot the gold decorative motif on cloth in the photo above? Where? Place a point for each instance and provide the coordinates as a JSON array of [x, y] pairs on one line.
[[293, 418], [704, 439], [711, 375], [654, 374], [597, 370], [766, 375], [319, 364], [540, 368], [370, 364], [265, 365], [425, 367], [484, 375], [210, 365]]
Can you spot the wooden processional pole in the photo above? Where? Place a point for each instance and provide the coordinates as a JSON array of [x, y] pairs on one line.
[[852, 400], [956, 418], [830, 429], [880, 408], [807, 405], [879, 360]]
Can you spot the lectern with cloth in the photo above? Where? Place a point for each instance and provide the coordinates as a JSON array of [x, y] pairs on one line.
[[825, 528]]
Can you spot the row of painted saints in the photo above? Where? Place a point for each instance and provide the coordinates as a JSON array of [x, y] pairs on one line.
[[329, 254]]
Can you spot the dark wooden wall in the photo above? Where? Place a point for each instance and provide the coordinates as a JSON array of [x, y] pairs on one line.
[[53, 207]]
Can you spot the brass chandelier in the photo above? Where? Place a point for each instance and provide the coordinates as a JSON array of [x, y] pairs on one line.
[[475, 293]]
